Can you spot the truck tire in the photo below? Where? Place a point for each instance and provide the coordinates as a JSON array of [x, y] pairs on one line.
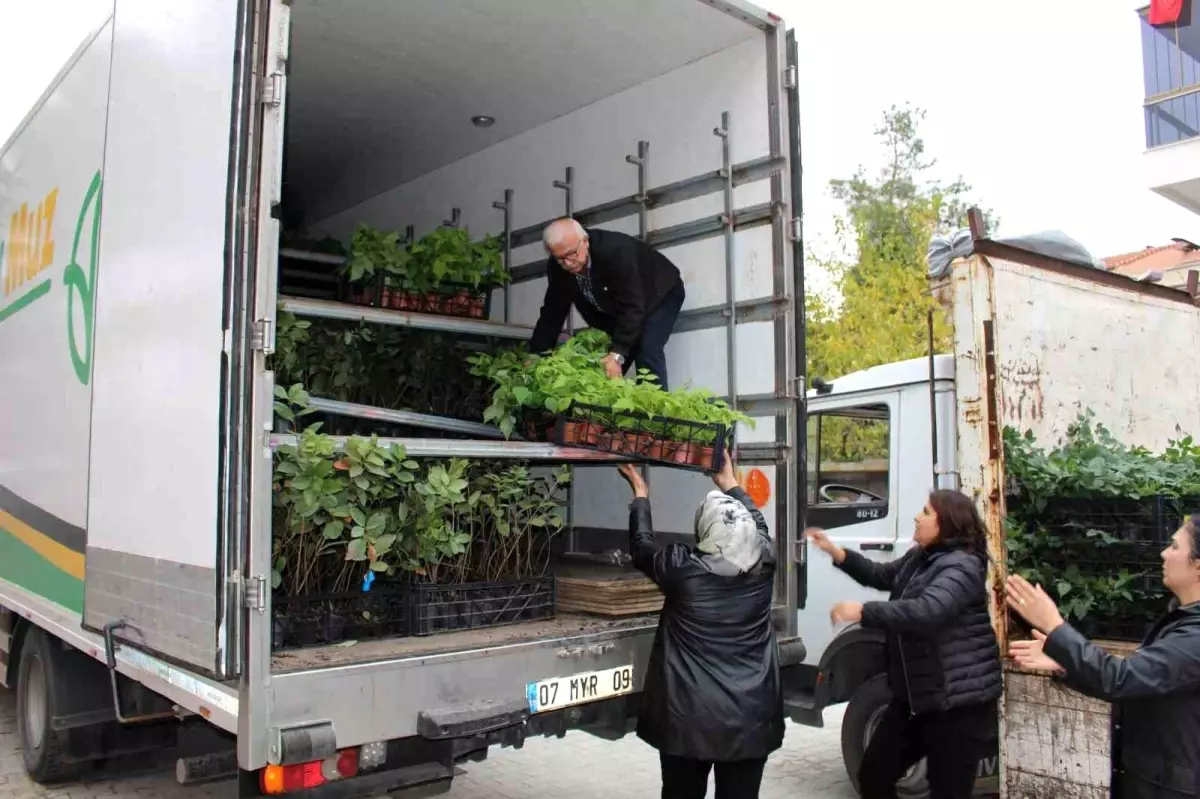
[[862, 715], [42, 748]]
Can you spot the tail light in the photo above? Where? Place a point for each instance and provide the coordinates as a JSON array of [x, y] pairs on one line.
[[279, 780]]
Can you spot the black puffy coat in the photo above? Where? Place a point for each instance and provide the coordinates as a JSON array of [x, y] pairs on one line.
[[712, 690], [941, 648], [1156, 694]]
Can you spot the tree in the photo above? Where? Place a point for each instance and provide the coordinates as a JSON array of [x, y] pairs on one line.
[[878, 311]]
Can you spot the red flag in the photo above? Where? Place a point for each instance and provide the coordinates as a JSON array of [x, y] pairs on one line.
[[1165, 12]]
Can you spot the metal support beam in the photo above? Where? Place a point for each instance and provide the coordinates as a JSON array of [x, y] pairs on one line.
[[764, 453], [474, 450], [745, 312], [426, 420], [324, 309], [754, 216], [507, 207], [724, 134], [661, 196], [455, 218]]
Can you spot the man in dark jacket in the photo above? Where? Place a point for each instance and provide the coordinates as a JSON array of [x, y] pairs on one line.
[[620, 285], [712, 699]]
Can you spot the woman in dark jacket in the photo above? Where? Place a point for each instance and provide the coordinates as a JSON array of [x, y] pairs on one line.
[[712, 699], [943, 661], [1155, 691]]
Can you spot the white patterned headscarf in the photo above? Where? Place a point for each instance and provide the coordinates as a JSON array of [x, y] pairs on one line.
[[726, 535]]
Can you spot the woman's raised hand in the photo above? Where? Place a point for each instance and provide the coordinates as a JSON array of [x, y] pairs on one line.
[[822, 542]]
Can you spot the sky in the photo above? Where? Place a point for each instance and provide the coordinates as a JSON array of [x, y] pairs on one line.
[[1036, 104]]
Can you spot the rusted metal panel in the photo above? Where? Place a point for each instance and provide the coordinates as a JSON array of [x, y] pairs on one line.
[[1057, 741], [1066, 344]]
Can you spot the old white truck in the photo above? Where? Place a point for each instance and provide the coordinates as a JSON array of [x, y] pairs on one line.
[[136, 413], [1037, 340]]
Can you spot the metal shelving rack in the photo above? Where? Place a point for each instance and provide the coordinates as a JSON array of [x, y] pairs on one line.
[[729, 314]]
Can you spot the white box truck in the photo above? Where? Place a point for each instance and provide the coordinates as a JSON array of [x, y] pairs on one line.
[[136, 428], [1037, 340]]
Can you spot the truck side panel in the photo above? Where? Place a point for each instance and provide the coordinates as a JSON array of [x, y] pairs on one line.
[[152, 500], [1065, 344], [50, 177], [676, 114]]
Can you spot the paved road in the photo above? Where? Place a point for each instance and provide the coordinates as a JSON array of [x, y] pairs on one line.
[[578, 766]]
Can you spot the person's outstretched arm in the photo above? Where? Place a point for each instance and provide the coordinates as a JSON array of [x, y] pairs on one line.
[[1169, 665], [654, 561]]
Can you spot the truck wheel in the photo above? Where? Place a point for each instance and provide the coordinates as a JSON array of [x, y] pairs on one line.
[[42, 748], [858, 725]]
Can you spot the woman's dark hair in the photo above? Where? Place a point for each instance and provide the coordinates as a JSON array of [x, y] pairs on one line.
[[958, 520], [1193, 528]]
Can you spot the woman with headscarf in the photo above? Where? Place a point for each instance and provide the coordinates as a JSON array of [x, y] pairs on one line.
[[712, 700], [1155, 691]]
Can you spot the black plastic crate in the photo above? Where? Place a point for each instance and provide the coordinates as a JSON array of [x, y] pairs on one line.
[[536, 424], [1153, 518], [679, 443], [321, 619], [445, 608]]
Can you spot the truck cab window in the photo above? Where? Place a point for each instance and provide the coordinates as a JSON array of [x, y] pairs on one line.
[[848, 456]]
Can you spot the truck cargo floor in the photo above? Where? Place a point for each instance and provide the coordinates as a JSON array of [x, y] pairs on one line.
[[564, 625]]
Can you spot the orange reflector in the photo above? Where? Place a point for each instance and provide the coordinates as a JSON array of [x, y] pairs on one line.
[[758, 487]]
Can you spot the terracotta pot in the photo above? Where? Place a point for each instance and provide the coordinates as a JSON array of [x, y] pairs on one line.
[[573, 433], [683, 454], [703, 456]]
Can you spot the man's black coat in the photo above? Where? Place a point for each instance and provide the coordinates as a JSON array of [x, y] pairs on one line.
[[629, 279]]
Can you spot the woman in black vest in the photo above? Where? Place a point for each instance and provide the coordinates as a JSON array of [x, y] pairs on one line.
[[943, 661], [712, 701], [1156, 690]]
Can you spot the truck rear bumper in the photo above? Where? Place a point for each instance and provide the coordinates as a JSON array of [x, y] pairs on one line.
[[460, 695]]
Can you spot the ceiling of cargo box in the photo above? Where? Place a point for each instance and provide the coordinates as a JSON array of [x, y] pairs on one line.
[[383, 91]]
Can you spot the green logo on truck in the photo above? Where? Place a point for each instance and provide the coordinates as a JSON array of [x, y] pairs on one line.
[[30, 252]]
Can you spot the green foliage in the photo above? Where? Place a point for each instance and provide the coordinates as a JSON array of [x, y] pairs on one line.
[[1094, 574], [573, 372], [1091, 463], [442, 257], [388, 367], [878, 310], [370, 507]]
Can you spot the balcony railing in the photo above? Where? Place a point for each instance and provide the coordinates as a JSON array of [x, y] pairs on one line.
[[1173, 117]]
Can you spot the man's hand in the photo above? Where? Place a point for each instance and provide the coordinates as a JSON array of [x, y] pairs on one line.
[[611, 367], [633, 476]]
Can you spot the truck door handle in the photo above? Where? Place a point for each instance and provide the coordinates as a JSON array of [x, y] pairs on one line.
[[877, 546]]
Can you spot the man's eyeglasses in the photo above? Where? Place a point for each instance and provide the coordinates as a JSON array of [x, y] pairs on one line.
[[571, 255]]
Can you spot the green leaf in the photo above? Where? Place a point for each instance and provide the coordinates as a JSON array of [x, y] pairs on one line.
[[356, 550], [334, 529]]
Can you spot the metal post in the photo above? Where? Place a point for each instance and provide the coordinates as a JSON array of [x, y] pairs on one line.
[[933, 426], [568, 186], [724, 134], [410, 234], [455, 218], [506, 207], [641, 161]]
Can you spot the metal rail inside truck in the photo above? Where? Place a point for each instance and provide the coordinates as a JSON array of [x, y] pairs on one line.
[[141, 207]]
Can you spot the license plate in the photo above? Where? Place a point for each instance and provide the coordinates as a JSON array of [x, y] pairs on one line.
[[577, 689]]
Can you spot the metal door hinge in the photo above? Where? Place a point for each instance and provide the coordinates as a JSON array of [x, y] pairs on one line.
[[791, 78], [262, 336], [273, 89], [796, 229], [255, 593]]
